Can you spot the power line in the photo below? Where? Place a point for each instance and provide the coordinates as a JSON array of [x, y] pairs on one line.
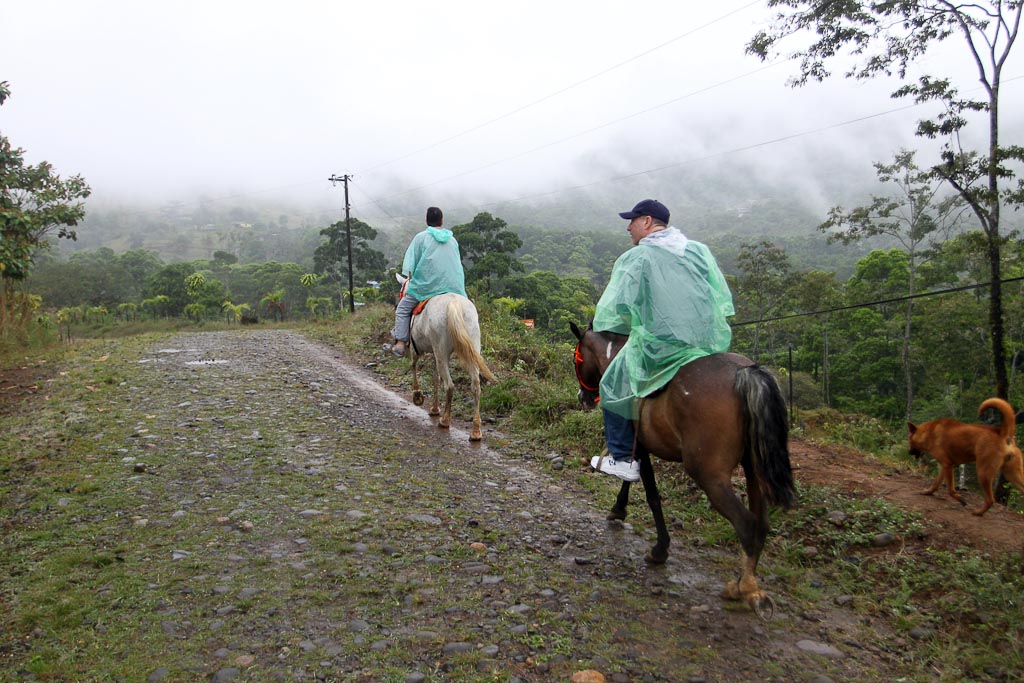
[[590, 130], [876, 303], [561, 91]]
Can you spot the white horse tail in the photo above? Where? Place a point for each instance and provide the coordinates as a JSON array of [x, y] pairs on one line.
[[462, 342]]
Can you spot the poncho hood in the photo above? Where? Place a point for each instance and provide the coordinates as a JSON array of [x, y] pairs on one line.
[[670, 238], [442, 235]]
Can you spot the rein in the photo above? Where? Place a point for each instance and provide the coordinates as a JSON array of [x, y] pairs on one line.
[[578, 357]]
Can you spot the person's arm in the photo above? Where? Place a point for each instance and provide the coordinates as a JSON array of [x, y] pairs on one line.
[[411, 257], [617, 305]]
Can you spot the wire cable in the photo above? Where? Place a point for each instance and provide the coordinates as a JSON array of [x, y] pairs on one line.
[[561, 91], [876, 303]]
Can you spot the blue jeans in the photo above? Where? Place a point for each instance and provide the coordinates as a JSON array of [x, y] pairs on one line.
[[619, 435]]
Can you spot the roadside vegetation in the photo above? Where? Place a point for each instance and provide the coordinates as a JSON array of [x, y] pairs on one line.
[[958, 611]]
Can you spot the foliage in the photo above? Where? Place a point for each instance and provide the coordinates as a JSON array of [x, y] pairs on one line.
[[887, 37], [762, 286], [331, 258], [34, 202], [488, 247], [552, 301]]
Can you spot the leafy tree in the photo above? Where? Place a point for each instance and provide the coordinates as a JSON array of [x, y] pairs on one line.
[[552, 302], [763, 283], [915, 215], [159, 305], [235, 311], [885, 37], [170, 282], [127, 311], [34, 202], [489, 248], [138, 264], [250, 282], [224, 258], [331, 257], [815, 291], [273, 302]]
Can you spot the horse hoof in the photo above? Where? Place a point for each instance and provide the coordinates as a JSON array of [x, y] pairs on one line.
[[417, 397], [616, 515], [763, 605], [434, 412], [476, 436], [656, 556], [732, 591], [443, 425]]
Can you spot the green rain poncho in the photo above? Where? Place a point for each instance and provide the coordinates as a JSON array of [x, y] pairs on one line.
[[434, 265], [668, 294]]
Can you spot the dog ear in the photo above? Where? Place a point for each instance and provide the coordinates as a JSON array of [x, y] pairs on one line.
[[911, 427]]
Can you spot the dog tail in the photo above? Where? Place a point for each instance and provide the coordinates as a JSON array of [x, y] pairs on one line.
[[1009, 424]]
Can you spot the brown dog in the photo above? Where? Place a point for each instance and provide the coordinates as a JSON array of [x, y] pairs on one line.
[[990, 447]]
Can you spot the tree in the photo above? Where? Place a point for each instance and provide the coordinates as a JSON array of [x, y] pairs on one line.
[[489, 249], [916, 216], [34, 202], [171, 283], [763, 284], [274, 304], [331, 257], [885, 37]]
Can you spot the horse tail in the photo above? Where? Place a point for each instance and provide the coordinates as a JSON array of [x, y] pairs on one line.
[[462, 342], [767, 439]]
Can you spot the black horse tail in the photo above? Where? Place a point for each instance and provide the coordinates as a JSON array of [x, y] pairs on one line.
[[767, 442]]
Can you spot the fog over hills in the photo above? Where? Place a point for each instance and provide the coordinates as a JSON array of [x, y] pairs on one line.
[[555, 115]]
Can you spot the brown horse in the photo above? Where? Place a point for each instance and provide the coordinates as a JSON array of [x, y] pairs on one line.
[[718, 412]]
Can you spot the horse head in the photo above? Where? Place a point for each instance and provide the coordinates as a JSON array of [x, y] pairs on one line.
[[594, 351]]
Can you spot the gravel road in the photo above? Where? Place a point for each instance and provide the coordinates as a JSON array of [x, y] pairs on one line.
[[298, 521]]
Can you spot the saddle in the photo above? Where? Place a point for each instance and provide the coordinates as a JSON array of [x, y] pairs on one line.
[[420, 305], [415, 312]]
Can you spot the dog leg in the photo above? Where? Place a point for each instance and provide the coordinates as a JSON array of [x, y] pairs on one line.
[[985, 481], [948, 471], [938, 482]]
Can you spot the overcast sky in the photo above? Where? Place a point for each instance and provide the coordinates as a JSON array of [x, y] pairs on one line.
[[481, 100]]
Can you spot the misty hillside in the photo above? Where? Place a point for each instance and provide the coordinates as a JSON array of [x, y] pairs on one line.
[[724, 208]]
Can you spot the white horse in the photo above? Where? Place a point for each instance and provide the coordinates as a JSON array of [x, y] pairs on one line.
[[448, 324]]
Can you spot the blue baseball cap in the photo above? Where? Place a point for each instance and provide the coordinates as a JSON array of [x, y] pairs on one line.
[[648, 207]]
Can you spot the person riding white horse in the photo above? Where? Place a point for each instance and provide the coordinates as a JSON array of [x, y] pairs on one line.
[[433, 265]]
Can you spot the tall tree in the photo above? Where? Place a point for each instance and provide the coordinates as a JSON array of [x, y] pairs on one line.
[[763, 284], [488, 249], [331, 257], [34, 202], [915, 215], [885, 37]]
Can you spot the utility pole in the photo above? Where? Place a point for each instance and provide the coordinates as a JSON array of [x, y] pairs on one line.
[[348, 236]]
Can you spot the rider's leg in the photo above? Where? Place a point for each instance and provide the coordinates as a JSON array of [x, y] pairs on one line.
[[619, 435], [619, 438], [403, 313]]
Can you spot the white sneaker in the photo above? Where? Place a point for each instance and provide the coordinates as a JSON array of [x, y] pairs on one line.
[[627, 471]]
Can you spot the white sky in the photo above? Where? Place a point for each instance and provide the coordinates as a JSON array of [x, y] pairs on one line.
[[479, 100]]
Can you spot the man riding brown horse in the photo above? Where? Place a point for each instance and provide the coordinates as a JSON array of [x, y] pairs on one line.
[[669, 296]]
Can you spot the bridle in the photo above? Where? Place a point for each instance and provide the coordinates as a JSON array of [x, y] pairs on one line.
[[593, 394]]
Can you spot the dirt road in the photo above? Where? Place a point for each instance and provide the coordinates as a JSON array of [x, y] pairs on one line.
[[293, 520]]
